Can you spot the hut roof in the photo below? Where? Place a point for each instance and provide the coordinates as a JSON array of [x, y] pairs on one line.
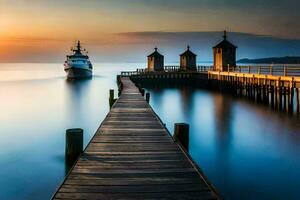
[[188, 52], [225, 43], [155, 53]]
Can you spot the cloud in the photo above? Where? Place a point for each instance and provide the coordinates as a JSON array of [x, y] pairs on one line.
[[134, 46], [63, 17]]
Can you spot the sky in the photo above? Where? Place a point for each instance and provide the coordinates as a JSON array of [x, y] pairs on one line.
[[42, 31]]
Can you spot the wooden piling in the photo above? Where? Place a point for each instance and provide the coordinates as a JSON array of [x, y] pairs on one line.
[[143, 92], [276, 97], [181, 134], [258, 93], [291, 101], [272, 88], [284, 98], [111, 94], [148, 97], [298, 100], [280, 98], [74, 143], [111, 98]]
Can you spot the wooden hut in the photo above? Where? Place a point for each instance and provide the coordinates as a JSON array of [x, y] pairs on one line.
[[224, 55], [155, 61], [188, 60]]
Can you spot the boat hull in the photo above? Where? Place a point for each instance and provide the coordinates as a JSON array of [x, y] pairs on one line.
[[74, 73]]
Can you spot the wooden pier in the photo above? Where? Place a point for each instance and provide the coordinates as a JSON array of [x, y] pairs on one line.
[[133, 156], [277, 87]]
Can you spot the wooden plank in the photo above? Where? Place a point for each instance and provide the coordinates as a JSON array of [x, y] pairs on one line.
[[132, 156], [151, 195], [133, 181]]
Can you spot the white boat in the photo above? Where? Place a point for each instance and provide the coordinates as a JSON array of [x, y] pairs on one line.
[[78, 65]]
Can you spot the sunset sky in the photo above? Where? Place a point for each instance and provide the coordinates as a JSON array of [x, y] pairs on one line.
[[37, 30]]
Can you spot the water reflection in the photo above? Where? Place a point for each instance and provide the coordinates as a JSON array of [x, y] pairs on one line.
[[187, 99], [223, 116], [76, 93], [246, 150], [223, 124]]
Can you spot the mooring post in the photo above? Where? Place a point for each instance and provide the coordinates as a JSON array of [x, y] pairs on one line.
[[272, 96], [264, 94], [111, 98], [148, 97], [111, 94], [143, 92], [181, 134], [276, 96], [258, 99], [298, 100], [284, 98], [280, 97], [74, 143]]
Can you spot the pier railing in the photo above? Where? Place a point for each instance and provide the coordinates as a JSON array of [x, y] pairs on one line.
[[266, 70], [293, 71], [166, 69]]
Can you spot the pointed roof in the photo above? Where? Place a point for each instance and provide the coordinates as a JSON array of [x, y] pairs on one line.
[[225, 43], [155, 53], [188, 52]]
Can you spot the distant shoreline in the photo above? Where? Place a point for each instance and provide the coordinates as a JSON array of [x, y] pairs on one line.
[[272, 60]]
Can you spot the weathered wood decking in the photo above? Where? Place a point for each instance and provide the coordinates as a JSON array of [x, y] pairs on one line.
[[132, 156]]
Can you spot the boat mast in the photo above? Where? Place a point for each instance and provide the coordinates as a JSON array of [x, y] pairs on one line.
[[78, 48]]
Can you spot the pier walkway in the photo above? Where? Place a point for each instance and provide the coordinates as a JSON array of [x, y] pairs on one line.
[[132, 156]]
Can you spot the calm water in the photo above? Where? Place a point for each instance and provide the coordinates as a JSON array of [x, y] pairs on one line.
[[37, 105], [247, 151]]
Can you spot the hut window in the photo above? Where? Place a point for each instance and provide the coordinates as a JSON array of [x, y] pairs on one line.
[[219, 51]]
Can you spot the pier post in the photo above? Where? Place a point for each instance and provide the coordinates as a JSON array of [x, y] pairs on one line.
[[291, 99], [280, 95], [74, 143], [148, 97], [143, 92], [284, 98], [298, 100], [258, 99], [272, 96], [111, 98], [276, 97], [181, 134], [264, 93], [111, 94]]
